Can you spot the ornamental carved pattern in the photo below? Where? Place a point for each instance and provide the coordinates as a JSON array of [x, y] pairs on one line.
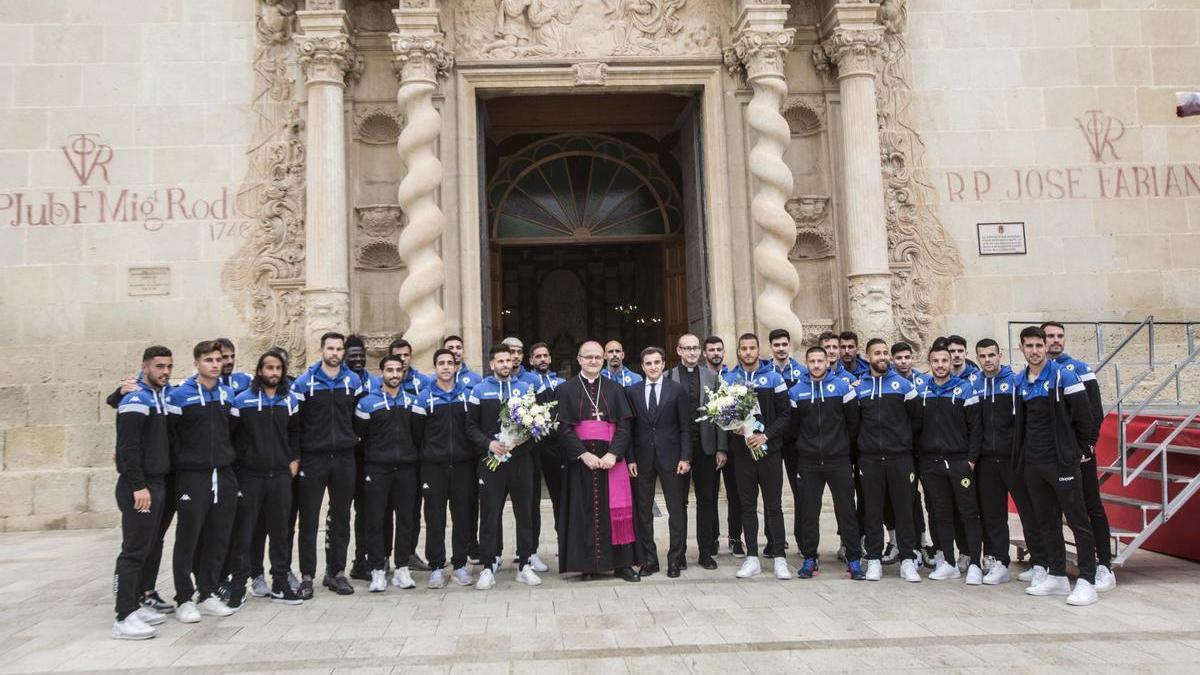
[[265, 277], [421, 57], [849, 51], [375, 235], [756, 53], [814, 231], [328, 58], [377, 124], [923, 259]]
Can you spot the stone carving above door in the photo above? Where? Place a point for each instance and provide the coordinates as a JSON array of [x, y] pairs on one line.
[[378, 124], [548, 29], [814, 232], [375, 236]]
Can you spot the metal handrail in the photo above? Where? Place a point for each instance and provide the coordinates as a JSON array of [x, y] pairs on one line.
[[1167, 380], [1148, 321]]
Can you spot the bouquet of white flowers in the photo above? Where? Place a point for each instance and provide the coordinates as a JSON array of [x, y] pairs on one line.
[[732, 407], [522, 418]]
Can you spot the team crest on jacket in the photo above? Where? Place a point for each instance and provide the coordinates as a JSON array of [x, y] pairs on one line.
[[912, 477], [895, 384], [957, 391], [829, 387], [762, 380], [1070, 366], [1004, 386], [966, 483], [1046, 385]]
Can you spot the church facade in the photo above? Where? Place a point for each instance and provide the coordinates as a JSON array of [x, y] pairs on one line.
[[268, 170]]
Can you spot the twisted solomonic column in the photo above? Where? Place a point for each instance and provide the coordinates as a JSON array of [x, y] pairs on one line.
[[420, 60], [759, 54]]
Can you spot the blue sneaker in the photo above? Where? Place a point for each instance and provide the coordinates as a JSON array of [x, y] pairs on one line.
[[808, 568], [854, 567]]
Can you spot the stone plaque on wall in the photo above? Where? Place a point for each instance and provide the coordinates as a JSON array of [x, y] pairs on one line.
[[1001, 238], [149, 281]]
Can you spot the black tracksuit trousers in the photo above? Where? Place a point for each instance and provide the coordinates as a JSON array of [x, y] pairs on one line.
[[766, 475], [1101, 532], [154, 557], [888, 480], [206, 511], [266, 500], [951, 484], [811, 480], [390, 490], [997, 480], [512, 478], [706, 482], [1055, 497], [548, 467], [733, 498], [450, 483], [138, 532], [320, 472]]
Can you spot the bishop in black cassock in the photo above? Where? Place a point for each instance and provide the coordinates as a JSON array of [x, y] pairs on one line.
[[596, 511]]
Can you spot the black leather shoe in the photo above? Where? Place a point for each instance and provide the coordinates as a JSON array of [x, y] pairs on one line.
[[415, 563], [736, 548], [585, 577], [627, 574], [339, 584], [683, 564], [708, 563], [673, 571], [647, 570], [359, 571]]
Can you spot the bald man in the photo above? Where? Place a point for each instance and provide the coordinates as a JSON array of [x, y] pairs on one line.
[[615, 370]]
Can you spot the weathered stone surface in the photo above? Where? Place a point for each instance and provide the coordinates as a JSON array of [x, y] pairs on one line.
[[91, 445], [100, 493], [34, 447], [16, 493], [14, 406], [60, 492], [62, 404]]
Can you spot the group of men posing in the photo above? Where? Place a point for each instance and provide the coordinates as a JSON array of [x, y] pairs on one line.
[[239, 458]]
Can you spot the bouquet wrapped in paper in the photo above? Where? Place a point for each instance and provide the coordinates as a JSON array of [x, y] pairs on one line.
[[733, 407], [522, 418], [1187, 103]]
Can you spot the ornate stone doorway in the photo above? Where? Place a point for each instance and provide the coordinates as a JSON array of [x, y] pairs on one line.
[[588, 228]]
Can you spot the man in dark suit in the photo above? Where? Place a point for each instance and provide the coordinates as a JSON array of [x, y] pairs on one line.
[[662, 449], [709, 444]]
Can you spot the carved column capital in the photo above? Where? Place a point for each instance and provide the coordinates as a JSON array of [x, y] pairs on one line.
[[759, 52], [324, 51], [852, 51], [421, 57]]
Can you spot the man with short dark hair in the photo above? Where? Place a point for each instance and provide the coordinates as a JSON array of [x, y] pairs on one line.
[[902, 361], [714, 361], [791, 371], [265, 428], [463, 374], [1053, 426], [759, 462], [1056, 338], [237, 381], [517, 348], [356, 361], [547, 460], [143, 459], [413, 382], [831, 343], [328, 392], [960, 365], [848, 352], [448, 462], [824, 422], [709, 445], [205, 484], [662, 449], [384, 422]]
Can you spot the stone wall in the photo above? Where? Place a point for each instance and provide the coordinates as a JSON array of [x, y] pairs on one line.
[[1061, 114], [123, 131]]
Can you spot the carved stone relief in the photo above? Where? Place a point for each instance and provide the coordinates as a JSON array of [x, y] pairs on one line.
[[805, 113], [373, 16], [814, 231], [265, 276], [922, 257], [377, 124], [590, 73], [520, 29], [375, 236]]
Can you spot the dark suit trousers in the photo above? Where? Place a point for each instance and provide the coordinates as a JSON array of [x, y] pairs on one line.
[[674, 489], [705, 481]]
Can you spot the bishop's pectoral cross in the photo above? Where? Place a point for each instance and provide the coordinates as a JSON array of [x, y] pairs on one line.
[[597, 415]]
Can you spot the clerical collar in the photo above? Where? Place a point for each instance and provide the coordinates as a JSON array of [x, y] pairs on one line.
[[690, 369], [586, 379]]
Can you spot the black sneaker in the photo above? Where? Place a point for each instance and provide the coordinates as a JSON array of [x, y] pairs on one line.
[[224, 590], [415, 563], [306, 588], [339, 584], [283, 594], [237, 598], [155, 602], [891, 554], [360, 571], [736, 548]]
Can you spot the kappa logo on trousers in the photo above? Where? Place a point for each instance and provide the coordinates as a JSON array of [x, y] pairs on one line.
[[185, 497]]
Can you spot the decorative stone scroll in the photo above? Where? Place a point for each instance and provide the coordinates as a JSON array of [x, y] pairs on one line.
[[375, 237], [590, 73], [814, 232], [805, 113]]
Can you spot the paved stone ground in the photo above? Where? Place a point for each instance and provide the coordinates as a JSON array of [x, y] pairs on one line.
[[56, 610]]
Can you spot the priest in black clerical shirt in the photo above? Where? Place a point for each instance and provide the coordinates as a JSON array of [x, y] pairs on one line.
[[596, 530]]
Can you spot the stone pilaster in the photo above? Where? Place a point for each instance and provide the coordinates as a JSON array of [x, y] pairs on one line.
[[760, 43], [421, 58], [327, 58], [852, 38]]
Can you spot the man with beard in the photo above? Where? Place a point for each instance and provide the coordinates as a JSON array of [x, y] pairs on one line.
[[463, 374], [709, 444], [237, 381], [596, 532], [614, 356], [791, 371], [547, 459], [714, 362], [356, 361], [854, 364], [328, 392], [902, 360], [413, 383]]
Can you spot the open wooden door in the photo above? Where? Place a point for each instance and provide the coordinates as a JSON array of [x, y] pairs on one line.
[[674, 292]]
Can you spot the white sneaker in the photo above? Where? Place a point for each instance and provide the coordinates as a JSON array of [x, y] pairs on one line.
[[1051, 585], [1027, 575], [378, 581], [536, 563], [486, 580], [874, 570], [996, 574], [781, 569], [938, 559], [528, 577], [402, 579], [149, 616], [1105, 579], [1083, 595], [213, 606], [944, 571], [186, 612], [986, 561], [132, 629], [750, 568], [1034, 575], [908, 571], [974, 575], [259, 587], [963, 563], [462, 576]]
